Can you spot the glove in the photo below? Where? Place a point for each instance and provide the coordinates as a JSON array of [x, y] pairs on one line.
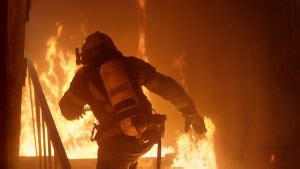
[[192, 118], [197, 123]]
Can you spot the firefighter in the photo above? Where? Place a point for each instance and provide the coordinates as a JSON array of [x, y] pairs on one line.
[[111, 84]]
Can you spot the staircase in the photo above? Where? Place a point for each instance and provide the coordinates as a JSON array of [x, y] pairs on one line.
[[47, 135]]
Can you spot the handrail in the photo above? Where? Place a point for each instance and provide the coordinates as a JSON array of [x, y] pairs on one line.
[[53, 134]]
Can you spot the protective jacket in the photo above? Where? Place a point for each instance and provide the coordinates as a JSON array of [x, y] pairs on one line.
[[87, 87]]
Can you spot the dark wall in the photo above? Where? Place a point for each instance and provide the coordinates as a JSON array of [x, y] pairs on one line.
[[16, 19], [283, 91], [3, 98]]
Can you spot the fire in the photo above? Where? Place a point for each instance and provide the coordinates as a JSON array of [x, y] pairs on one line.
[[165, 150], [27, 143], [142, 35], [142, 26], [194, 153], [191, 152], [55, 80]]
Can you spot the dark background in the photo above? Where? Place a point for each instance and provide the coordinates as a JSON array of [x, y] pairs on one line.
[[242, 67]]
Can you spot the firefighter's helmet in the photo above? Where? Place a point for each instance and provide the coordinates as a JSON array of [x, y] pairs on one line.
[[94, 45]]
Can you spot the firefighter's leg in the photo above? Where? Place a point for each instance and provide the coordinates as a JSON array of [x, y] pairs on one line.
[[120, 152], [111, 163], [114, 159]]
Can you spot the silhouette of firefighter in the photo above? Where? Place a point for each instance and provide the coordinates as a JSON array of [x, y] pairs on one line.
[[111, 84]]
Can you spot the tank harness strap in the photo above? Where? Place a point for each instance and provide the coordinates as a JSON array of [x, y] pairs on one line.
[[155, 123], [100, 135]]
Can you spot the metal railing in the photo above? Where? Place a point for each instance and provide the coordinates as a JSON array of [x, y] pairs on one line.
[[46, 132]]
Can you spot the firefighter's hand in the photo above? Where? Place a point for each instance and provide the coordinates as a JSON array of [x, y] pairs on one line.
[[196, 122]]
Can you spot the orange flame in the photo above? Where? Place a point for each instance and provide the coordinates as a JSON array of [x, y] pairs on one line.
[[194, 153], [26, 137], [75, 135], [142, 34], [77, 144], [165, 150]]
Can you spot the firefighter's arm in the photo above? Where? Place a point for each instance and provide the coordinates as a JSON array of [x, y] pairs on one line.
[[71, 106], [72, 103], [170, 90]]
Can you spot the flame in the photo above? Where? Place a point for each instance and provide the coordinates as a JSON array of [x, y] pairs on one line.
[[142, 35], [26, 137], [142, 30], [164, 151], [77, 144], [55, 80], [194, 153], [75, 135]]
